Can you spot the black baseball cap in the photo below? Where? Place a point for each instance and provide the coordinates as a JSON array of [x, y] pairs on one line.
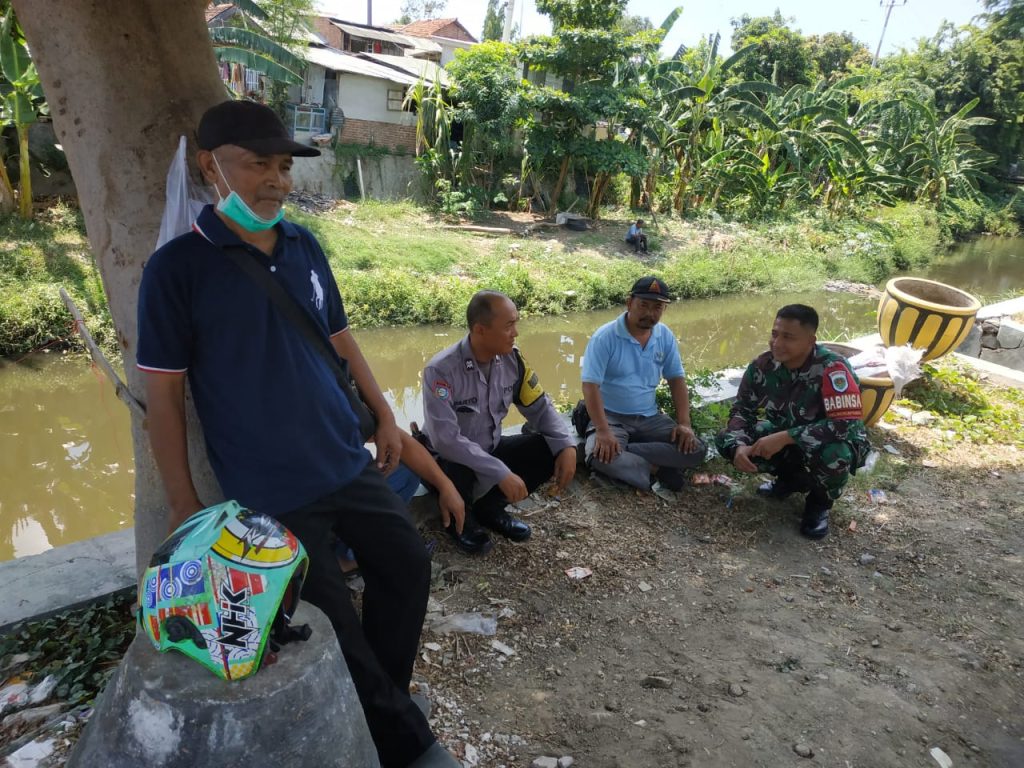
[[651, 288], [251, 126]]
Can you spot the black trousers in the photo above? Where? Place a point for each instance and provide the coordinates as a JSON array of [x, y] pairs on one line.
[[380, 651], [526, 455]]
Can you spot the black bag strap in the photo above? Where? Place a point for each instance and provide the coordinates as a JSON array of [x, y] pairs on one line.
[[293, 312]]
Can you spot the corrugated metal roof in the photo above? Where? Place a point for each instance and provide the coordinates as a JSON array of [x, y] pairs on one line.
[[417, 68], [372, 33], [337, 61]]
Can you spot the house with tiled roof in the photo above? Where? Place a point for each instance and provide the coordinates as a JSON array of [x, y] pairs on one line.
[[449, 28], [449, 34]]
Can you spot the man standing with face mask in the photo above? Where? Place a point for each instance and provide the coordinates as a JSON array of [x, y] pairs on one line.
[[281, 435]]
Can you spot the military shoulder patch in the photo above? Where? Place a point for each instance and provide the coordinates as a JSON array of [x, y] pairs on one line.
[[840, 392]]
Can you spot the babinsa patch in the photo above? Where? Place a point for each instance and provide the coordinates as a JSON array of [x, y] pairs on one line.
[[840, 392]]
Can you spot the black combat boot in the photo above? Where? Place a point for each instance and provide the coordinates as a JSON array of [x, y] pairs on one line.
[[815, 521]]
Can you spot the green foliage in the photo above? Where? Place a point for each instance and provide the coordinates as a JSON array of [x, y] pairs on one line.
[[706, 417], [964, 409], [80, 648], [266, 36], [836, 54], [779, 54], [494, 20], [36, 259], [21, 98]]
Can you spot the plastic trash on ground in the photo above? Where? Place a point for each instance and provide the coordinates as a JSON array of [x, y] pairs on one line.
[[577, 573], [470, 623]]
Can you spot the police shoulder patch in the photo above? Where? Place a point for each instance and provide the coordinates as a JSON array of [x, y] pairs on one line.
[[442, 389], [528, 388]]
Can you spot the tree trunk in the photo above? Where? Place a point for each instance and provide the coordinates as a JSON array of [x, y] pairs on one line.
[[124, 81], [25, 173], [600, 184], [557, 192], [6, 191]]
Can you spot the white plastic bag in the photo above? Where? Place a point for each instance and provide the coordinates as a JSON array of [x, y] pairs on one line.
[[904, 366], [185, 199]]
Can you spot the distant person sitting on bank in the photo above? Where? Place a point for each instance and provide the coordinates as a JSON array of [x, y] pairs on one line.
[[636, 237]]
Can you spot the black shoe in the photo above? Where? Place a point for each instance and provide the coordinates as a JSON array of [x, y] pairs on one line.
[[784, 486], [473, 540], [671, 479], [815, 520], [506, 525]]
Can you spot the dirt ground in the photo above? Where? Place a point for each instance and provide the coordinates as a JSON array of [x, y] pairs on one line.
[[712, 634]]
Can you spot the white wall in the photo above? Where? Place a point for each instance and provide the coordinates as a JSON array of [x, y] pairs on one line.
[[366, 98], [385, 177]]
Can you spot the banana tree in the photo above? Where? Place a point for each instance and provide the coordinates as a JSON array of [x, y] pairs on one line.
[[947, 161], [22, 96]]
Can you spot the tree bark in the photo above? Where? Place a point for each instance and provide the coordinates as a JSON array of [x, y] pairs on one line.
[[124, 81], [24, 174], [556, 194]]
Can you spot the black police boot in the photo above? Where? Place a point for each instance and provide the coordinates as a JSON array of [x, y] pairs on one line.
[[501, 522], [815, 521], [473, 540]]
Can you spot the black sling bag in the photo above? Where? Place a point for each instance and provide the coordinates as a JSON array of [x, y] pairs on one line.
[[305, 325]]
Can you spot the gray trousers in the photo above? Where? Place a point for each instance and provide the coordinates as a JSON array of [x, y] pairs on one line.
[[646, 444]]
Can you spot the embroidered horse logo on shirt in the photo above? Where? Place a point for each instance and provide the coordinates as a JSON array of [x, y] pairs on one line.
[[318, 291]]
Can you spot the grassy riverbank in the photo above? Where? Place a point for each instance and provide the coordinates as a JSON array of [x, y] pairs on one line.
[[399, 264]]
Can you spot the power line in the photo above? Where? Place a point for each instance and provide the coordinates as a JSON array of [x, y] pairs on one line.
[[888, 11]]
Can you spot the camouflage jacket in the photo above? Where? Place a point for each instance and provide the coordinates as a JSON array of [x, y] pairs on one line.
[[818, 403]]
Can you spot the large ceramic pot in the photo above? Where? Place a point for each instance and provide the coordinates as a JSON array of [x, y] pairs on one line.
[[876, 392], [925, 314]]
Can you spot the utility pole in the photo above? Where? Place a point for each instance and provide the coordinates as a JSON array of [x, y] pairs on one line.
[[510, 9], [369, 13], [888, 12]]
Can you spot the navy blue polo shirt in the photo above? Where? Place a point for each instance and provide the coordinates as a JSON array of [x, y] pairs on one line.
[[279, 431]]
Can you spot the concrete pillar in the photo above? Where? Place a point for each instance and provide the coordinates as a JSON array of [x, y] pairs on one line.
[[162, 710]]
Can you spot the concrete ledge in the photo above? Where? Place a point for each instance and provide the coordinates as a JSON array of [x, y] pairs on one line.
[[1002, 309], [999, 374], [66, 577]]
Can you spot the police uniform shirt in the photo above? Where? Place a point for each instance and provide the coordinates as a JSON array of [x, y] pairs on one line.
[[464, 409]]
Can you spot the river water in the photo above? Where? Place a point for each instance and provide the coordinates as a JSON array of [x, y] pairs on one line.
[[66, 467]]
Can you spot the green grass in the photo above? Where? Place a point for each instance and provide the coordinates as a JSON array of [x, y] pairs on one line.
[[397, 263], [36, 259]]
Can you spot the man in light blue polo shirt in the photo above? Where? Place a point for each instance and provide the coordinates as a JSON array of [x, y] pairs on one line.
[[629, 439]]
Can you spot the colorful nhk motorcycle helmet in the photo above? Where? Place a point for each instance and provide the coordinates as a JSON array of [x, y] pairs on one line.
[[222, 587]]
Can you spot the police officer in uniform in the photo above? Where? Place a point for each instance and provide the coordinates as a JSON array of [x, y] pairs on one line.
[[467, 391], [797, 415]]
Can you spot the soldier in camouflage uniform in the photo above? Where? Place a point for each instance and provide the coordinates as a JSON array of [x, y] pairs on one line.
[[797, 415]]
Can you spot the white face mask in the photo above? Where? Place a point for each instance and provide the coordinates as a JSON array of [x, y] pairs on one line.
[[237, 210]]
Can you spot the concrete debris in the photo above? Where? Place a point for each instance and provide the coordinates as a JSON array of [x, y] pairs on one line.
[[503, 649], [656, 681], [803, 750]]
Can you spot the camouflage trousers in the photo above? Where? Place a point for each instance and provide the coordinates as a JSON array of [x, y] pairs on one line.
[[824, 468]]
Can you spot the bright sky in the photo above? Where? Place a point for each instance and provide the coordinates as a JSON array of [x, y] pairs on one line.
[[864, 18]]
